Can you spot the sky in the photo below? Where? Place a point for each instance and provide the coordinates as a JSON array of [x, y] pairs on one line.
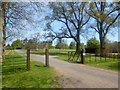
[[31, 31]]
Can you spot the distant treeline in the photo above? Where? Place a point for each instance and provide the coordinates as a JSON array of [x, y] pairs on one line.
[[93, 45]]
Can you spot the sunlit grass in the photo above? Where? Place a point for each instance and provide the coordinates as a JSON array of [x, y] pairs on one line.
[[15, 74], [101, 62], [90, 59], [51, 51]]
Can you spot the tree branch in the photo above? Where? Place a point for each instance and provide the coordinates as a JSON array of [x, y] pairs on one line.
[[94, 28], [112, 23], [85, 22]]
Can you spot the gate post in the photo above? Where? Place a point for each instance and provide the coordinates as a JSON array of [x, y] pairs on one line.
[[83, 56], [28, 59], [47, 57]]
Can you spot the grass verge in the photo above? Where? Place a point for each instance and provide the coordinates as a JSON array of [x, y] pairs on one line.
[[15, 74], [108, 64]]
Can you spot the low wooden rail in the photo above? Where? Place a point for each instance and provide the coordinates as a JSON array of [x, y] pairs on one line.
[[73, 56]]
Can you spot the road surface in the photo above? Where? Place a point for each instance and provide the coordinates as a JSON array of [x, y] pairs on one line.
[[79, 75]]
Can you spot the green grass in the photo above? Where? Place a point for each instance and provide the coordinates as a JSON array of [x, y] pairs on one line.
[[15, 74], [107, 63], [51, 51], [111, 64]]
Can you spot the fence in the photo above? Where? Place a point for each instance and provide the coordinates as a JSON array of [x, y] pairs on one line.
[[73, 56], [92, 57]]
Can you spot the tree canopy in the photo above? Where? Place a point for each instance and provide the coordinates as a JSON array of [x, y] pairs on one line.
[[72, 45], [105, 15], [74, 18], [17, 44], [93, 42]]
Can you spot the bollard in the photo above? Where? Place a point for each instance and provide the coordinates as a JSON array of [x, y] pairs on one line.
[[47, 57], [28, 59], [83, 56]]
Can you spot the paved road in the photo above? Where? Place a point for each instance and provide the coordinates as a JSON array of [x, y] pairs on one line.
[[81, 76]]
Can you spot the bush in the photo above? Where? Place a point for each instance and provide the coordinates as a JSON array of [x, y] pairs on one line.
[[51, 47], [9, 48]]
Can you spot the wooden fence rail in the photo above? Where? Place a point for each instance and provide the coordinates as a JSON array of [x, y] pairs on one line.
[[74, 57]]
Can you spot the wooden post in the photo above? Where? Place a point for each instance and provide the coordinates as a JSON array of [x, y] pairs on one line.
[[83, 56], [68, 55], [95, 57], [47, 57], [28, 59], [105, 57]]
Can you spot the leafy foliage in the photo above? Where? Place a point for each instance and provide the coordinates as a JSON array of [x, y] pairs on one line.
[[72, 45], [61, 45], [106, 15], [93, 46], [93, 42], [17, 44]]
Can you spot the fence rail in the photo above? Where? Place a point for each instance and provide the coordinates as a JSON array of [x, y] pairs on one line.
[[92, 57], [98, 58], [73, 56]]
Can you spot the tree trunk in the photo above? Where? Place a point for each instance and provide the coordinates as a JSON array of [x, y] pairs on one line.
[[4, 42], [102, 49], [78, 47], [4, 29], [1, 35]]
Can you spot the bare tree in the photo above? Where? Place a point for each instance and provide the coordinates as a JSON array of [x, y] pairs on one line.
[[0, 35], [74, 18], [105, 15], [15, 16]]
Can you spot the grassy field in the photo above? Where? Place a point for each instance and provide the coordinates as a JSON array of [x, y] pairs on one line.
[[15, 75], [111, 64], [51, 51], [107, 63]]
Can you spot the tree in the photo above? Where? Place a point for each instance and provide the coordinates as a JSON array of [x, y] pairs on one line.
[[8, 47], [31, 44], [13, 16], [82, 46], [0, 35], [47, 43], [73, 16], [111, 47], [65, 46], [105, 15], [25, 41], [59, 45], [93, 46], [17, 44], [72, 45], [93, 42]]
